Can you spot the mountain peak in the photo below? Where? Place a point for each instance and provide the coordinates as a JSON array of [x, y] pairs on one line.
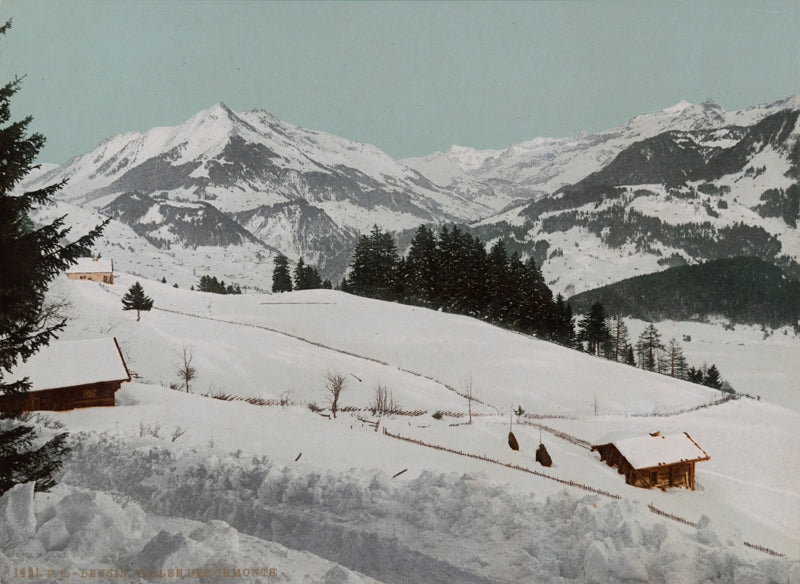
[[678, 107], [711, 104], [216, 112]]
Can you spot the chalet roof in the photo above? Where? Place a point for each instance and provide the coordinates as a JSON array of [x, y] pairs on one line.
[[649, 451], [71, 363], [92, 266]]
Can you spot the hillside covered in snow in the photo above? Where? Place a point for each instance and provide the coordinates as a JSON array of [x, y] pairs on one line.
[[248, 471]]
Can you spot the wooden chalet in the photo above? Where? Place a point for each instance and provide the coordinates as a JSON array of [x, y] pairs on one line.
[[94, 269], [69, 374], [656, 460]]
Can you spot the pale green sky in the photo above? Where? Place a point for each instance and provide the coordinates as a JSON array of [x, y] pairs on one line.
[[408, 77]]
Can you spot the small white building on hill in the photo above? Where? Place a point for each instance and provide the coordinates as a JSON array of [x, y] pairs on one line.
[[94, 269]]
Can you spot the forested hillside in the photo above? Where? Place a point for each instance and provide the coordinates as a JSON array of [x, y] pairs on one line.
[[743, 290]]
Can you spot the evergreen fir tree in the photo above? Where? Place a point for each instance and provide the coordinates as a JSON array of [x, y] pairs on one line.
[[562, 325], [649, 347], [373, 271], [210, 284], [306, 277], [30, 258], [281, 278], [299, 275], [503, 286], [21, 462], [135, 299], [677, 366], [312, 278], [620, 344], [712, 378], [462, 276], [630, 358], [421, 268], [593, 331], [473, 290], [537, 300], [695, 374]]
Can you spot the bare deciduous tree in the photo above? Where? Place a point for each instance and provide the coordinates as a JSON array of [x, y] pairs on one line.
[[469, 395], [146, 430], [383, 401], [54, 309], [334, 385], [178, 432], [185, 369]]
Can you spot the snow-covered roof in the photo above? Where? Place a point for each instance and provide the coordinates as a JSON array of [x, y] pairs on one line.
[[649, 451], [71, 363], [92, 266]]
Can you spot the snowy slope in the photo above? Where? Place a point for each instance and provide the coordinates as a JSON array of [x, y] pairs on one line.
[[283, 478], [247, 264], [503, 367]]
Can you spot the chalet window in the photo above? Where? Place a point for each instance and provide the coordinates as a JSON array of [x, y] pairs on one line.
[[89, 393]]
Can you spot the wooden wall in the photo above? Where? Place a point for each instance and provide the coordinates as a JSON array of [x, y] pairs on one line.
[[680, 474], [61, 399]]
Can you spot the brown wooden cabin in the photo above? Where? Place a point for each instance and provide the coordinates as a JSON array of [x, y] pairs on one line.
[[94, 269], [70, 374], [656, 460]]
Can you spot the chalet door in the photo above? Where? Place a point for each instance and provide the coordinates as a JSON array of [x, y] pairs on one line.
[[653, 478]]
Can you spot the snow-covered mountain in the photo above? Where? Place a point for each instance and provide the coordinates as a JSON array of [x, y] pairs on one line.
[[302, 192], [681, 185], [679, 196], [541, 166]]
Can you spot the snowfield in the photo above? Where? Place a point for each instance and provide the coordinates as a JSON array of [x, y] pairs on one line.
[[238, 492]]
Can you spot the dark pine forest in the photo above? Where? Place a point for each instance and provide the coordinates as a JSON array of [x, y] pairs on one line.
[[452, 271]]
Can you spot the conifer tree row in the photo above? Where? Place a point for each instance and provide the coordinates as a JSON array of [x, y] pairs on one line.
[[306, 277], [451, 270], [215, 286]]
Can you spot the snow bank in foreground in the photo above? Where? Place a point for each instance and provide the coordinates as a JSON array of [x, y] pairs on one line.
[[79, 534], [433, 528]]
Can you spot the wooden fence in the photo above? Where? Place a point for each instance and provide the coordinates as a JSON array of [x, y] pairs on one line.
[[563, 435], [679, 519], [506, 464]]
